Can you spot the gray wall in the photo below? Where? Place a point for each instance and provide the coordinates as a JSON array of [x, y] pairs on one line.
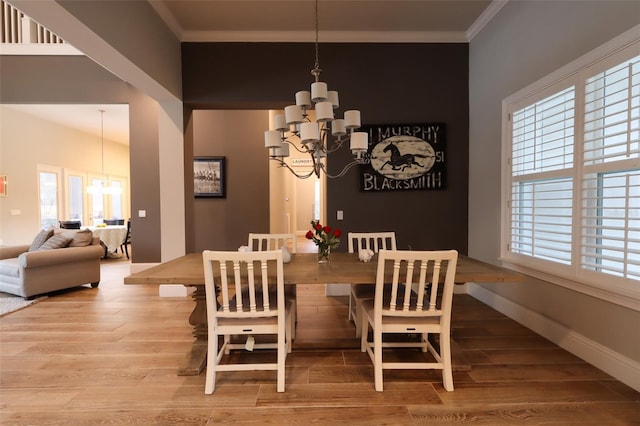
[[526, 41], [225, 223], [76, 79], [389, 83]]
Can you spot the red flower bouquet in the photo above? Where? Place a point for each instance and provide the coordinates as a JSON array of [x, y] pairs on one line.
[[325, 238]]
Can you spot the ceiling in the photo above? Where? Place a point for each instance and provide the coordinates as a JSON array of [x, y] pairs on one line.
[[289, 20], [338, 20], [84, 118]]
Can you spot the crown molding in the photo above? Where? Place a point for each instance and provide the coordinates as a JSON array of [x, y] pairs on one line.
[[485, 18], [326, 36], [168, 18]]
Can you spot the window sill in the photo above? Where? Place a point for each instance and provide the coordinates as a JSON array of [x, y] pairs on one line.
[[612, 292]]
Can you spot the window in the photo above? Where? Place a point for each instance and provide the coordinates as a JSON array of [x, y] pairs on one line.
[[117, 210], [64, 195], [97, 201], [611, 178], [572, 187], [75, 197], [542, 188], [48, 199]]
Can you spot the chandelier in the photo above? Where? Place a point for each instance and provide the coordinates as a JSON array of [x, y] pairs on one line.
[[295, 128]]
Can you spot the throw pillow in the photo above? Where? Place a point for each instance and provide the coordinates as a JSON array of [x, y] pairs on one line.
[[79, 238], [40, 239], [55, 242]]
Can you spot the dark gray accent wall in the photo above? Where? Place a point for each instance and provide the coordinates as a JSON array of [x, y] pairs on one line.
[[389, 83]]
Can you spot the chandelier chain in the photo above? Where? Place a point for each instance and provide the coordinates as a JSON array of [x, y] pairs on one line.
[[316, 69], [102, 139]]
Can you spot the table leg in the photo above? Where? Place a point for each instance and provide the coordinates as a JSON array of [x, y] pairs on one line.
[[197, 358]]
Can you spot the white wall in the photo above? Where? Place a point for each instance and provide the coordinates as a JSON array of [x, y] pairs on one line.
[[25, 142], [524, 42]]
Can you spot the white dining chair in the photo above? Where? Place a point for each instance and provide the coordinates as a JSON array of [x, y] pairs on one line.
[[374, 241], [248, 306], [261, 242], [396, 309]]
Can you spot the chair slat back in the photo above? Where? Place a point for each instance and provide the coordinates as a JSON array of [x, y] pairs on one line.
[[244, 278], [261, 242], [416, 276], [375, 241]]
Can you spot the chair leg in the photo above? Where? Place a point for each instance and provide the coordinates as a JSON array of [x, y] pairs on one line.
[[291, 295], [377, 356], [445, 353], [358, 319], [289, 331], [351, 318], [364, 327], [294, 318], [282, 355], [126, 250], [212, 359], [227, 341]]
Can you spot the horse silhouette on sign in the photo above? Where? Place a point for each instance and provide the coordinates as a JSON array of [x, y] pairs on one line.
[[399, 161]]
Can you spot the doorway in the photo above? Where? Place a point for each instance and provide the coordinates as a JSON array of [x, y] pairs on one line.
[[294, 202]]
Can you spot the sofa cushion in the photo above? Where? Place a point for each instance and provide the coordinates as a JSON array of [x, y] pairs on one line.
[[55, 242], [10, 268], [79, 238], [40, 239]]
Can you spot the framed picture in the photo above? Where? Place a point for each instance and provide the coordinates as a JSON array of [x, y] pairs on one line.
[[4, 186], [209, 178], [405, 157]]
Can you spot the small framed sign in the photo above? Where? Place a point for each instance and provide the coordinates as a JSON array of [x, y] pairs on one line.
[[405, 157], [209, 179]]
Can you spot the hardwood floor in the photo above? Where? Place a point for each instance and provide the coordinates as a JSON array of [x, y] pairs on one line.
[[109, 356]]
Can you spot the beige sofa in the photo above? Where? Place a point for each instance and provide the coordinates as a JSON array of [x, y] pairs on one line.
[[27, 272]]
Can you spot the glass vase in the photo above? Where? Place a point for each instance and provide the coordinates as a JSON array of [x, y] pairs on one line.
[[323, 254]]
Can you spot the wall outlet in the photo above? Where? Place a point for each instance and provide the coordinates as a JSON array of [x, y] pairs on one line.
[[339, 215], [142, 213], [15, 212]]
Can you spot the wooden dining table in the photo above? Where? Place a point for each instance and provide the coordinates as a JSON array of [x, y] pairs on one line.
[[303, 268]]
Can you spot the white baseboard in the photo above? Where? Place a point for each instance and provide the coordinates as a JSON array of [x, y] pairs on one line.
[[137, 267], [175, 290], [619, 366]]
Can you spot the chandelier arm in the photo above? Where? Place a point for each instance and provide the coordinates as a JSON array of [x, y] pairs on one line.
[[337, 144], [343, 171], [302, 151]]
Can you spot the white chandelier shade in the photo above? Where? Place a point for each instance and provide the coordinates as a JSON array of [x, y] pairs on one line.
[[320, 137]]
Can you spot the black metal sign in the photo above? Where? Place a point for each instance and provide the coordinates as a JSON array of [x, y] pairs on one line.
[[405, 157]]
